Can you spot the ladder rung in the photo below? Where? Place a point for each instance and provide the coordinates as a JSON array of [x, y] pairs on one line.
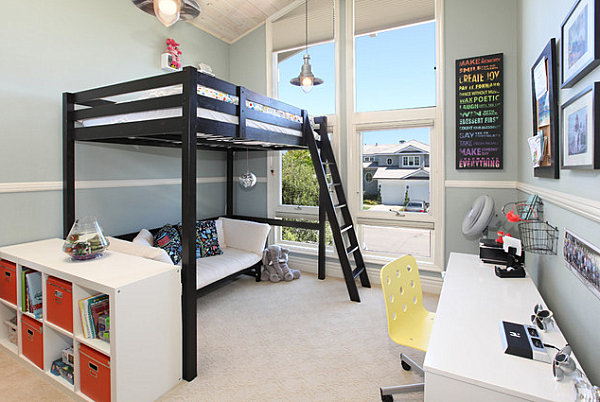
[[339, 205], [335, 184], [344, 228], [357, 272], [351, 249]]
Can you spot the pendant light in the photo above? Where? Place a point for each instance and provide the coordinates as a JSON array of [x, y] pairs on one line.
[[167, 11], [306, 80], [248, 179]]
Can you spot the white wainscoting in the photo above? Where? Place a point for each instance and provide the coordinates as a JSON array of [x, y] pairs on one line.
[[27, 187]]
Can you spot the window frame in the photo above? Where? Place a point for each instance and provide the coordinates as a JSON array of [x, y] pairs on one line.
[[345, 149]]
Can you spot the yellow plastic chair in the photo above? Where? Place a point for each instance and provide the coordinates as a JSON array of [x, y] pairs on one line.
[[409, 323]]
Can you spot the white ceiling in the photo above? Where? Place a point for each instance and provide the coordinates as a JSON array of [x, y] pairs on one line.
[[229, 20]]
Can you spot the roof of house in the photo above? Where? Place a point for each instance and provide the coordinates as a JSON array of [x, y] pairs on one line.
[[395, 173], [389, 149]]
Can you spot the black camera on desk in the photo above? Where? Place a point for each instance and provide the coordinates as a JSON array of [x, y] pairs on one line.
[[509, 253]]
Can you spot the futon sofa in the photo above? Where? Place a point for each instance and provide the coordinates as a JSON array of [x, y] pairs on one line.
[[241, 241]]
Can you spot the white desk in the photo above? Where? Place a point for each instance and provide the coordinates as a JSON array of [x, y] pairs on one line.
[[465, 360]]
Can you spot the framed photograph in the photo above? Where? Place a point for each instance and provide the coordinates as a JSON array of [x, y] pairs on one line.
[[580, 41], [581, 130], [544, 91], [583, 259]]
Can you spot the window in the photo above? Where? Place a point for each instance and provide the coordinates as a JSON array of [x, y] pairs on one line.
[[411, 161], [395, 69], [320, 100], [391, 187], [395, 241], [299, 184], [391, 124]]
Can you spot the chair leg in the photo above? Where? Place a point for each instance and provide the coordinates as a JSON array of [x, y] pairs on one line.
[[411, 363], [387, 392]]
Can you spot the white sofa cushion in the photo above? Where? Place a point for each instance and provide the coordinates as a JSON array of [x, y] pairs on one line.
[[127, 247], [144, 238], [245, 235], [220, 234], [211, 269]]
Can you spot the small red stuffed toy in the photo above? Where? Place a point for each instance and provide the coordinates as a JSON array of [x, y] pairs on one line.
[[173, 50]]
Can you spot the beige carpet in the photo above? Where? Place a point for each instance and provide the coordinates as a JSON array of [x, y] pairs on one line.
[[297, 341]]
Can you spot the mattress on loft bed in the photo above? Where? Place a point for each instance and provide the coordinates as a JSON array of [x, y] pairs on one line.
[[202, 113]]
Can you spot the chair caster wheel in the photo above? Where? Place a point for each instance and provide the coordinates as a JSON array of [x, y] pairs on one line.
[[406, 366], [387, 398]]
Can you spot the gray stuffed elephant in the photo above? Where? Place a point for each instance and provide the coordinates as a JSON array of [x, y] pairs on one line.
[[276, 268], [272, 270], [283, 263]]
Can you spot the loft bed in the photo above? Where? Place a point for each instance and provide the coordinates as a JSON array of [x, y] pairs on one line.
[[187, 110]]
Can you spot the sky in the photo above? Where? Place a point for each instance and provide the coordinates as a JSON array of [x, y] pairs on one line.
[[394, 70]]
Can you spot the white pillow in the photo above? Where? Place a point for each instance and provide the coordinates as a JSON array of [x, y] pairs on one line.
[[220, 233], [127, 247], [144, 238], [245, 235]]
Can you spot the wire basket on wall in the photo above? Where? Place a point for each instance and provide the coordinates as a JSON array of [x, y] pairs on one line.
[[539, 237], [528, 211]]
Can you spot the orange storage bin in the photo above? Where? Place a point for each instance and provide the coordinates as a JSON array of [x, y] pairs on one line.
[[33, 340], [59, 303], [94, 369], [8, 281]]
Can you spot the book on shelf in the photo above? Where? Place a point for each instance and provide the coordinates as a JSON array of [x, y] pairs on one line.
[[34, 292], [87, 313]]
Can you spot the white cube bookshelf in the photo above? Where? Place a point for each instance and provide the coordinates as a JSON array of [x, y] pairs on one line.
[[145, 311]]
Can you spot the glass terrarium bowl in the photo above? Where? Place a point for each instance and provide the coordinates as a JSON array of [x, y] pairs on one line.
[[85, 240]]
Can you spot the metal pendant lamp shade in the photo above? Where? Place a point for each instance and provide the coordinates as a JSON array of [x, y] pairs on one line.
[[306, 80], [169, 12]]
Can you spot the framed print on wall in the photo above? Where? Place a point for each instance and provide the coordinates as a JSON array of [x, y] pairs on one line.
[[580, 41], [581, 130], [545, 111]]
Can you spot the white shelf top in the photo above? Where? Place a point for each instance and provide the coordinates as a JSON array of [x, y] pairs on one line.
[[466, 343], [111, 270]]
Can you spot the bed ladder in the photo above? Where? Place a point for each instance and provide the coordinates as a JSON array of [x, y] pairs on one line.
[[336, 206]]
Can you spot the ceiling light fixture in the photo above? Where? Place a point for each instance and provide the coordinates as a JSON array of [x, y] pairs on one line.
[[306, 80], [169, 12]]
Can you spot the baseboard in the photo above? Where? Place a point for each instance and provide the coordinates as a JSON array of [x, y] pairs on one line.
[[429, 284]]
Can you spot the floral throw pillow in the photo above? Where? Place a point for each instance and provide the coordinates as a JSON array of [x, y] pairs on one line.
[[169, 240], [207, 242], [206, 238]]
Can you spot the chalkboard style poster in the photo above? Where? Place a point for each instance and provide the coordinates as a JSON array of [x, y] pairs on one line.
[[479, 112]]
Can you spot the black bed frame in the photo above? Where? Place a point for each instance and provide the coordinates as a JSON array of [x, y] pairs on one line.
[[181, 132]]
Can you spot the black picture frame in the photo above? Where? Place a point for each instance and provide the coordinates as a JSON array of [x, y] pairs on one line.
[[550, 166], [575, 61], [581, 140]]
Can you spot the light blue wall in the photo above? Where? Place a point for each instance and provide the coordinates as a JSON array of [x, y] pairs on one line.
[[575, 307], [247, 61], [470, 30], [64, 45]]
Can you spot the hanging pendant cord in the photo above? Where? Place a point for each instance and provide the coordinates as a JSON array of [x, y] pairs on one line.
[[306, 26], [247, 170]]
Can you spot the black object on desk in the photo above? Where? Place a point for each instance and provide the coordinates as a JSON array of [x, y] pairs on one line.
[[513, 269], [523, 340], [492, 252]]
